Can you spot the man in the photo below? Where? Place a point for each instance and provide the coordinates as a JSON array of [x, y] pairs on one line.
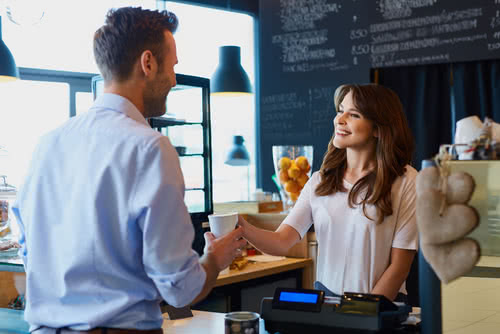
[[105, 232]]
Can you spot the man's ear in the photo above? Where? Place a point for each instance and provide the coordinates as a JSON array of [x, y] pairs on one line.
[[148, 63]]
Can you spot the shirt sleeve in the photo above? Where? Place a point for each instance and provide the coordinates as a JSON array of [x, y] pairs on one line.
[[168, 257], [300, 218], [406, 235]]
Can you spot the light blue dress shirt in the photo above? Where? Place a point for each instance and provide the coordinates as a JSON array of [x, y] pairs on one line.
[[105, 233]]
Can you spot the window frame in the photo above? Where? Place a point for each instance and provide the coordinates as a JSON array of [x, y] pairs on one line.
[[77, 81], [250, 7]]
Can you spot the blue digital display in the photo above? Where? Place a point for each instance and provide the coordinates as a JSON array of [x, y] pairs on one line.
[[298, 297]]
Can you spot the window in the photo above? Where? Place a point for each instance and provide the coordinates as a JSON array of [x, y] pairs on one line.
[[29, 109], [200, 34], [62, 39], [56, 52], [83, 102], [56, 63]]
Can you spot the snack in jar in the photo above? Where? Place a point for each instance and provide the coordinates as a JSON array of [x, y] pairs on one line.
[[292, 165]]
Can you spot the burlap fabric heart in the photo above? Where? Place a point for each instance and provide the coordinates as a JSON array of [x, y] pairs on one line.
[[444, 220]]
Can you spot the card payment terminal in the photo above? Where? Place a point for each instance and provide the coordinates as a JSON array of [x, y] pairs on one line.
[[293, 311]]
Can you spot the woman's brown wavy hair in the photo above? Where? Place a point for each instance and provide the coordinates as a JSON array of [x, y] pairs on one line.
[[394, 150]]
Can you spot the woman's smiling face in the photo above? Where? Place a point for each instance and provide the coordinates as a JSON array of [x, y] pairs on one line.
[[352, 129]]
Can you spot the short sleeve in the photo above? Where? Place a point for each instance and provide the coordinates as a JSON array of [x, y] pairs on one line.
[[406, 234], [300, 218]]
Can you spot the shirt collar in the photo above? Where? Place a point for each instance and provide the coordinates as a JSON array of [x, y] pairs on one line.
[[120, 104]]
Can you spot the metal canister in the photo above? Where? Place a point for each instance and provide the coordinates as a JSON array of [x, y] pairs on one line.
[[241, 323]]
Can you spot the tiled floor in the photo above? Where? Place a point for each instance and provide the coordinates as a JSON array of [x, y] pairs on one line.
[[471, 305]]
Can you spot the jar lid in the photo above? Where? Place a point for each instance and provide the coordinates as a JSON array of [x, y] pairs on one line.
[[5, 187]]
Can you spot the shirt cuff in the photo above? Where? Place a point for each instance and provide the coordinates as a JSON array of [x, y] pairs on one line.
[[301, 230], [410, 245], [181, 288]]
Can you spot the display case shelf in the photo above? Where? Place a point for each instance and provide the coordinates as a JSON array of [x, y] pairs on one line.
[[192, 155], [161, 122]]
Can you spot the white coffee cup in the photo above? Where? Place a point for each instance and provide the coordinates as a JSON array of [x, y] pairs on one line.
[[222, 224]]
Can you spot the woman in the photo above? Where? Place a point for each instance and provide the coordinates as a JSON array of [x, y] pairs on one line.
[[361, 202]]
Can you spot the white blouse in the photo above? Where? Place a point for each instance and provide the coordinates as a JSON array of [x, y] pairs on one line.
[[354, 251]]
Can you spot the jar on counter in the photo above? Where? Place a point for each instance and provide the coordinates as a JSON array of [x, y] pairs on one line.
[[7, 197]]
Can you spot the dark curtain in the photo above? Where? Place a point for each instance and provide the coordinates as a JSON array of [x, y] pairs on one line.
[[432, 106], [476, 89], [425, 94]]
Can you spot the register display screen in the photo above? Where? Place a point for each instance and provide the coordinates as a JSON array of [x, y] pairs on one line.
[[298, 297]]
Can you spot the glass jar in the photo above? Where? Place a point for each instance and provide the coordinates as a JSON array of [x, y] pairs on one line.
[[7, 197], [292, 164]]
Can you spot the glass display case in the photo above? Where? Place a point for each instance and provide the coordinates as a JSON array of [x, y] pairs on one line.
[[187, 125]]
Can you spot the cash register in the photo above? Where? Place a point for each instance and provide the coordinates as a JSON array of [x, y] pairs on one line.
[[293, 311]]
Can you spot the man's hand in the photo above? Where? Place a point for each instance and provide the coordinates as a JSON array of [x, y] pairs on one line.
[[226, 248], [218, 254]]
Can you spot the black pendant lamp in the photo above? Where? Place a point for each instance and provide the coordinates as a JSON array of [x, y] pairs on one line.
[[238, 155], [8, 69], [229, 77]]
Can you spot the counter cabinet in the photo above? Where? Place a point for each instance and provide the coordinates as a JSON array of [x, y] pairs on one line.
[[243, 290]]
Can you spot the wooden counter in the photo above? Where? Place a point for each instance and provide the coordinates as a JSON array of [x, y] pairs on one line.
[[258, 269]]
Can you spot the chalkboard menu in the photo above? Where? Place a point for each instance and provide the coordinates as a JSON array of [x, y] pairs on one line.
[[310, 47]]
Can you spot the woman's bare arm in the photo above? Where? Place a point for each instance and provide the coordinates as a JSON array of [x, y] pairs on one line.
[[278, 242], [397, 272]]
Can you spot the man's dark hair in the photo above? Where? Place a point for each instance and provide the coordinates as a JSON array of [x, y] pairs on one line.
[[127, 33]]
